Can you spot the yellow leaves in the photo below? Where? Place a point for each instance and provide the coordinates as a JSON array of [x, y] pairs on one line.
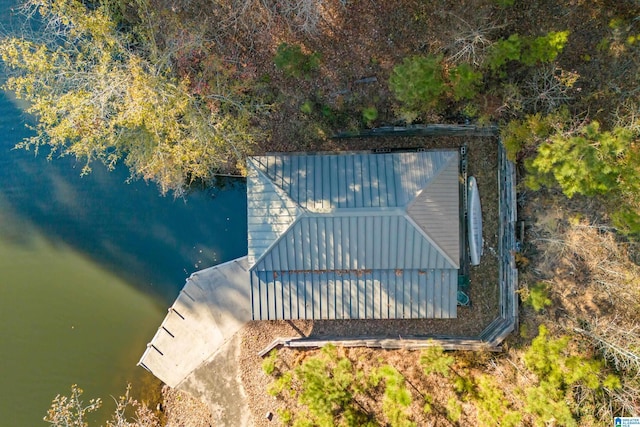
[[20, 53], [70, 410], [97, 100]]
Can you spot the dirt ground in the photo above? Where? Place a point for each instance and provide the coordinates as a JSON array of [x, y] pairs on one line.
[[181, 410]]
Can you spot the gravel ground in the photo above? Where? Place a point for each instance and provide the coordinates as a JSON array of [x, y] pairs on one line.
[[182, 410]]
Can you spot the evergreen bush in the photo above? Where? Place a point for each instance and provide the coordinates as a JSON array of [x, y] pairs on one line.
[[558, 371], [396, 397], [293, 62], [538, 297], [526, 50], [454, 410], [419, 82], [434, 361], [269, 363], [464, 82], [531, 131], [369, 114], [544, 49], [591, 162]]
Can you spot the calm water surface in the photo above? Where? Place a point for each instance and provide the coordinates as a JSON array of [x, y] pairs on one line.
[[88, 266]]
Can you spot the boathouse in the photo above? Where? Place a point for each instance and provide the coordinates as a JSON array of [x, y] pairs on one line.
[[354, 235], [362, 235]]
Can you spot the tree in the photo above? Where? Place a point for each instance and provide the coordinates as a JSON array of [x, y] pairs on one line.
[[493, 406], [295, 63], [422, 83], [102, 94], [396, 398], [327, 386], [418, 82], [464, 82], [593, 162], [433, 360], [558, 373], [71, 411], [526, 49]]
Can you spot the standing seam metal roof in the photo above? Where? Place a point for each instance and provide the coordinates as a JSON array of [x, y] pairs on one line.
[[360, 214], [320, 183]]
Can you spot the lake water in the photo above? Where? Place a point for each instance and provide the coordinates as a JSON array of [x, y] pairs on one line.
[[88, 266]]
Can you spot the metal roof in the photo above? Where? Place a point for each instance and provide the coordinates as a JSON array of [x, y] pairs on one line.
[[320, 183], [353, 214], [373, 294], [269, 212], [348, 242]]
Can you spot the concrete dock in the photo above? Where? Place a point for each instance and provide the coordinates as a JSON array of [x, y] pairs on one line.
[[196, 345]]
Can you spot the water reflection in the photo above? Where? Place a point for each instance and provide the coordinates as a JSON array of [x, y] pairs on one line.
[[152, 241], [83, 261]]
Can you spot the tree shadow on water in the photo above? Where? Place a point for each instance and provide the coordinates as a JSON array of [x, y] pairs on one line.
[[152, 242]]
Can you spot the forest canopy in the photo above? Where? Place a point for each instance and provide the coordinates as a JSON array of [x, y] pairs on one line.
[[101, 93]]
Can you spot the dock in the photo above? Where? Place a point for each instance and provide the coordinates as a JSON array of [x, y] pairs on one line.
[[211, 308]]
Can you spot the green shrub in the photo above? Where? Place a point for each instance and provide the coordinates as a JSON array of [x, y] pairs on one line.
[[397, 397], [531, 131], [303, 422], [514, 136], [593, 163], [434, 361], [422, 84], [269, 363], [526, 50], [281, 385], [327, 112], [294, 63], [464, 82], [590, 162], [369, 114], [626, 218], [538, 297], [557, 371], [307, 107], [285, 415], [545, 48], [503, 51], [428, 404], [454, 410], [418, 82], [493, 406]]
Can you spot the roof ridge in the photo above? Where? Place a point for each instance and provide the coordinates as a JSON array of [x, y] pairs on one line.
[[298, 212], [445, 165], [454, 264], [281, 192]]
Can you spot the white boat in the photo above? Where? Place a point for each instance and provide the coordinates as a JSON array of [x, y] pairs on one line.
[[474, 226]]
